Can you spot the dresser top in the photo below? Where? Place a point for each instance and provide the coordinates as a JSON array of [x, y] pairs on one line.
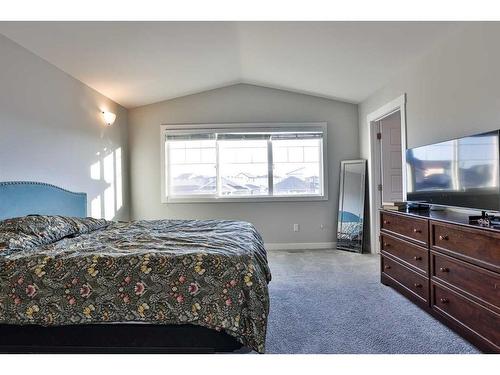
[[445, 215]]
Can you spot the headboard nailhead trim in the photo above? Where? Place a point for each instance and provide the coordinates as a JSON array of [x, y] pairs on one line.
[[38, 183]]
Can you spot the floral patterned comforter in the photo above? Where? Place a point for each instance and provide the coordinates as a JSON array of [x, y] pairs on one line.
[[210, 273]]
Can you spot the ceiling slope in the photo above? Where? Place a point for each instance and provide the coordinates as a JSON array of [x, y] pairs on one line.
[[138, 63]]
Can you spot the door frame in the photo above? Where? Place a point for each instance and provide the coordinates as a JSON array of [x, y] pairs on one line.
[[374, 162]]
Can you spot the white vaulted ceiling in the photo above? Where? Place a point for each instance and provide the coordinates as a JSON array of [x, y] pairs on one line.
[[137, 63]]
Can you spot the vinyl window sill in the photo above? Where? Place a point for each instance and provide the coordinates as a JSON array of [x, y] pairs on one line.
[[310, 198]]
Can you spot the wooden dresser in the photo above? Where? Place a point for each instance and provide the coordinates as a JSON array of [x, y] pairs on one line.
[[447, 267]]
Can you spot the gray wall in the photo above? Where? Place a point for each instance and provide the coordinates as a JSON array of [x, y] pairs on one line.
[[452, 91], [243, 103], [51, 129]]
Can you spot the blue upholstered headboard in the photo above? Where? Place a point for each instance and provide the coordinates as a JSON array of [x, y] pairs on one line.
[[20, 198]]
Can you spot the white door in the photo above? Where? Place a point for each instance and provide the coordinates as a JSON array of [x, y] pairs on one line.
[[391, 166]]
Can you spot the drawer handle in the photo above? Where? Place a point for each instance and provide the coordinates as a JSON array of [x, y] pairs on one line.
[[444, 300], [415, 230], [444, 269], [387, 267], [417, 257], [417, 285], [386, 221], [386, 244], [443, 237]]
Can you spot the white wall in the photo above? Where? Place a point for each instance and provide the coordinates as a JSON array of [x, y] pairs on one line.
[[243, 103], [51, 131], [451, 92]]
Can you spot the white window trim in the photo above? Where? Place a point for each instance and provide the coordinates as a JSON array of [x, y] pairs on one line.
[[270, 126]]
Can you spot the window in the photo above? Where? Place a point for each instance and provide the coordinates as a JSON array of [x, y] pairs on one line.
[[233, 163], [192, 165], [243, 165], [297, 164]]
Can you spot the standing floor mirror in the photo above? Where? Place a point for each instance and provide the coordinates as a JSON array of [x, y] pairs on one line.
[[351, 205]]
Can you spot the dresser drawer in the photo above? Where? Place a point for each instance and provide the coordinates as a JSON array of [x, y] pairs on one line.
[[468, 314], [410, 280], [478, 246], [411, 228], [406, 252], [481, 284]]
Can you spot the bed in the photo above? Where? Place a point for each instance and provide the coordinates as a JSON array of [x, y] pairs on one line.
[[76, 284]]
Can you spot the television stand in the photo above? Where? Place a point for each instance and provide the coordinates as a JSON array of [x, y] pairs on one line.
[[448, 267]]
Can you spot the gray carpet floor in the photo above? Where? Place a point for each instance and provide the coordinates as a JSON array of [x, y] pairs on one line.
[[330, 301]]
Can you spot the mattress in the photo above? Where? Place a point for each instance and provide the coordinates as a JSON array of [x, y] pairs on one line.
[[212, 273]]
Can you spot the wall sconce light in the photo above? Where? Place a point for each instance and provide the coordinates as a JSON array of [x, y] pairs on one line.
[[109, 118]]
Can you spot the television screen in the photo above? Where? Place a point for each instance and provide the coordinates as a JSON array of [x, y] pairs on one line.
[[462, 172]]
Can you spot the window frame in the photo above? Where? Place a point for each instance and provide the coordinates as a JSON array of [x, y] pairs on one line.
[[242, 127]]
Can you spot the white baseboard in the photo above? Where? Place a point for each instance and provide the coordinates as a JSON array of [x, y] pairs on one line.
[[300, 246]]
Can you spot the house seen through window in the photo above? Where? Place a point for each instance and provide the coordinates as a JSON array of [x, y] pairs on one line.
[[229, 164]]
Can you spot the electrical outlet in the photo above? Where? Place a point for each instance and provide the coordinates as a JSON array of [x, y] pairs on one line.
[[322, 226], [296, 227]]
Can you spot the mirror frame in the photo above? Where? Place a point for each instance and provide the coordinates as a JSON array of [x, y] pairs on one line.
[[343, 163]]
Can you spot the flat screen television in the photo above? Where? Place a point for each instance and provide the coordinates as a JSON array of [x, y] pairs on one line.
[[462, 172]]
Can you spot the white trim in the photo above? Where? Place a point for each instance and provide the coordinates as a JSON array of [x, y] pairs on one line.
[[276, 246], [237, 199], [398, 104], [270, 167], [217, 170], [163, 173], [245, 127]]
